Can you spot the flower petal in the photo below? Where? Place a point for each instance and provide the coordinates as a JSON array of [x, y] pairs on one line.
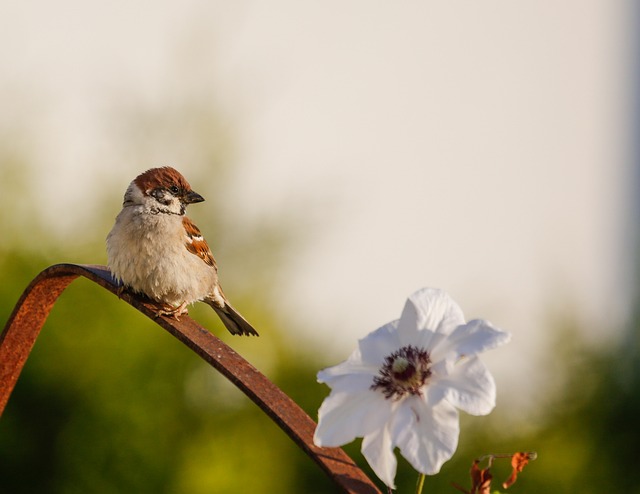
[[470, 339], [377, 448], [352, 366], [379, 344], [344, 416], [427, 436], [351, 383], [469, 386], [430, 309], [368, 357]]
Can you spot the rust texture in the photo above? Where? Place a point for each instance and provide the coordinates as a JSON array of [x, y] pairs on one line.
[[32, 310]]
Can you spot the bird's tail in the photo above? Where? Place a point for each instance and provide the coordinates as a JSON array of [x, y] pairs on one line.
[[231, 318]]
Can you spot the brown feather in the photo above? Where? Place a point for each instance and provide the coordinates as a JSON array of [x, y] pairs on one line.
[[196, 244], [161, 177], [231, 318]]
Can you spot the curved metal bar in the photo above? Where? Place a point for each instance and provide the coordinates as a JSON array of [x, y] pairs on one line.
[[32, 310]]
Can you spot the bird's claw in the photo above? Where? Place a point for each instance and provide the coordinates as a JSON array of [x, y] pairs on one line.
[[121, 289], [174, 312]]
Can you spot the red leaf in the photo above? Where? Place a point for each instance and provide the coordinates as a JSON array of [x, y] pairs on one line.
[[481, 479], [518, 462]]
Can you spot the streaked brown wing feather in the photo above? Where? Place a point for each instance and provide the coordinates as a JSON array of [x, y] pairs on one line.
[[196, 244]]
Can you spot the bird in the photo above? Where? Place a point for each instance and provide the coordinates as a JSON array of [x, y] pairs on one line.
[[155, 250]]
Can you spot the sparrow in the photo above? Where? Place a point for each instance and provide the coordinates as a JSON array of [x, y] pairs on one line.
[[155, 250]]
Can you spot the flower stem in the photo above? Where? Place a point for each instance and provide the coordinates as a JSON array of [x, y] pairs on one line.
[[420, 483]]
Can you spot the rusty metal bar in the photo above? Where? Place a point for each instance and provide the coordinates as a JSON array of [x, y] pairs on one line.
[[32, 310]]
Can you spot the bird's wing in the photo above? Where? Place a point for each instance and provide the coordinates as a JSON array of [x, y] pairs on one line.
[[196, 244]]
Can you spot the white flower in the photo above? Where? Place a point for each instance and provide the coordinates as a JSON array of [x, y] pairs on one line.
[[403, 384]]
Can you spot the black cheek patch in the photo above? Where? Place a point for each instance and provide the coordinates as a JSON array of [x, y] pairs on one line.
[[160, 196]]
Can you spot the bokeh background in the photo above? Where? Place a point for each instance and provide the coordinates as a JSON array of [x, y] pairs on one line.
[[350, 153]]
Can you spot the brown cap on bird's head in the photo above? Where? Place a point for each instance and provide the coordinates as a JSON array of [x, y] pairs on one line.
[[170, 179], [161, 177]]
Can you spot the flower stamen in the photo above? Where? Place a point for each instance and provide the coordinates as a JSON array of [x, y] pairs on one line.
[[404, 371]]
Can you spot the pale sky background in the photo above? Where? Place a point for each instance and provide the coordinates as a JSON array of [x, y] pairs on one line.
[[478, 146]]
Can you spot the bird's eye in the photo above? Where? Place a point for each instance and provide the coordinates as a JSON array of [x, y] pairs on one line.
[[174, 189]]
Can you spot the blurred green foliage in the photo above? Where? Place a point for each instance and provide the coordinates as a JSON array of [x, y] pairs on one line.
[[110, 403]]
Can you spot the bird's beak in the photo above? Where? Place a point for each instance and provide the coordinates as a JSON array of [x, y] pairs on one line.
[[192, 197]]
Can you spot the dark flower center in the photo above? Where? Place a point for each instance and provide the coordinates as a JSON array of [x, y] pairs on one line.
[[404, 371]]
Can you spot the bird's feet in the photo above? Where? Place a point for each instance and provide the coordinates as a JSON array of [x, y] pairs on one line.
[[170, 311], [121, 289]]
